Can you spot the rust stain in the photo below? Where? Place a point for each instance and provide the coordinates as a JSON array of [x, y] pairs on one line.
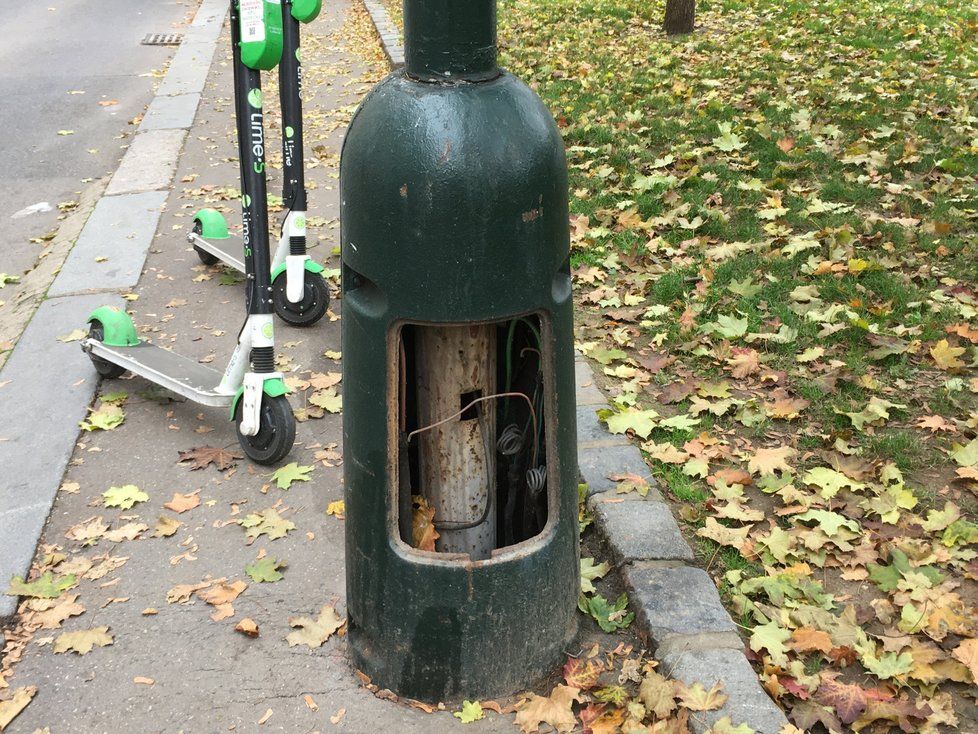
[[446, 151], [532, 215], [404, 191]]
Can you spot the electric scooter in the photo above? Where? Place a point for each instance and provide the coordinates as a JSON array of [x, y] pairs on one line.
[[254, 394], [299, 291]]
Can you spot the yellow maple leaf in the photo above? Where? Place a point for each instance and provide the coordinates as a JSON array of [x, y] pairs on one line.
[[946, 356], [555, 709], [770, 461]]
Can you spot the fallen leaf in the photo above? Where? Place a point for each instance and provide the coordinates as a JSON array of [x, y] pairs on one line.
[[314, 632], [555, 709], [203, 456], [11, 707], [183, 502], [82, 641], [124, 497], [247, 626]]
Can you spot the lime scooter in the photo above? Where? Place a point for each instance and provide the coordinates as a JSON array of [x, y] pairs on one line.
[[299, 291], [263, 417]]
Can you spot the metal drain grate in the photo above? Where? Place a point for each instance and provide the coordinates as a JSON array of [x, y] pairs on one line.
[[162, 39]]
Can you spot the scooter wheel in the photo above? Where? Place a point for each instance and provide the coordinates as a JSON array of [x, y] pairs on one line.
[[106, 369], [312, 306], [276, 431], [204, 255]]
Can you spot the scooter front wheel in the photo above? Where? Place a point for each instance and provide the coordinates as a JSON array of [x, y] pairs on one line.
[[310, 308], [276, 431], [204, 255], [106, 369]]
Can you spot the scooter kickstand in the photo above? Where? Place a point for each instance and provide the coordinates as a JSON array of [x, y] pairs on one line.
[[251, 406]]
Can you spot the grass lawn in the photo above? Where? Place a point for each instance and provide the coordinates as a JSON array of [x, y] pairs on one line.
[[775, 249]]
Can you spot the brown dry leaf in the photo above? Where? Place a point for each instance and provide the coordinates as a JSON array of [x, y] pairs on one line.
[[88, 531], [338, 716], [423, 533], [784, 407], [165, 527], [201, 457], [314, 632], [64, 608], [182, 593], [555, 709], [222, 593], [222, 611], [129, 531], [967, 653], [183, 502], [15, 704], [847, 701], [935, 423], [657, 694], [141, 680], [807, 639], [697, 698], [310, 703], [744, 362], [946, 357], [665, 452], [82, 641], [770, 461], [733, 537], [321, 381], [247, 626]]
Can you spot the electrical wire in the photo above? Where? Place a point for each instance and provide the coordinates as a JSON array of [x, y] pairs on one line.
[[490, 474], [495, 396]]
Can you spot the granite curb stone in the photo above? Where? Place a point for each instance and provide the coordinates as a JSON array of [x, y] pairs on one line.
[[111, 250], [746, 702], [389, 34], [677, 606], [640, 530]]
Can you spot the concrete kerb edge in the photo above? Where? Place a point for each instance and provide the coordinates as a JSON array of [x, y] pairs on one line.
[[387, 32], [748, 700], [205, 32]]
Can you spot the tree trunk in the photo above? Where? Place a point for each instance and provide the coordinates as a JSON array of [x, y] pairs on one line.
[[680, 16]]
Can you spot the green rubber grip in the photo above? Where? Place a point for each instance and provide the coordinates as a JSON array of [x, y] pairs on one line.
[[306, 11], [260, 26]]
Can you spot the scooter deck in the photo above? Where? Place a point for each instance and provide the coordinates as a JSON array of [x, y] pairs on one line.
[[176, 373], [217, 251]]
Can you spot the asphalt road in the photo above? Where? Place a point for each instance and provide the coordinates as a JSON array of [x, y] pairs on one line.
[[52, 50]]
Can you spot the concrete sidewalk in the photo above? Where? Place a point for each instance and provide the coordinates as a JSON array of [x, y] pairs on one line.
[[207, 677]]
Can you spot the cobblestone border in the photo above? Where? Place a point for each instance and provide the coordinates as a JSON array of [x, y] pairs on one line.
[[390, 35], [678, 608]]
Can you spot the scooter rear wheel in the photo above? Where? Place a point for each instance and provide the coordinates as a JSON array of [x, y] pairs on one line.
[[276, 431], [106, 369], [310, 308], [204, 255]]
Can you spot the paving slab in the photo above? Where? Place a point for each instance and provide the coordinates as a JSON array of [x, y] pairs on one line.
[[188, 69], [592, 431], [111, 249], [598, 463], [747, 701], [52, 383], [587, 391], [673, 603], [168, 113], [149, 163], [639, 530]]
